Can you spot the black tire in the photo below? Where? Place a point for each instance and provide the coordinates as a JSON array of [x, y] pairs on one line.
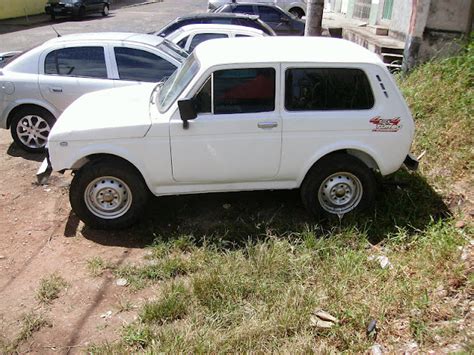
[[30, 127], [108, 181], [53, 17], [297, 12], [338, 184], [105, 10]]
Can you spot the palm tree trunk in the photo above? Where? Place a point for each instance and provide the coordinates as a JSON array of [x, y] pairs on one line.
[[314, 18]]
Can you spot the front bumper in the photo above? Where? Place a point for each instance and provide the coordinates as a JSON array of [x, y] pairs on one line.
[[411, 162]]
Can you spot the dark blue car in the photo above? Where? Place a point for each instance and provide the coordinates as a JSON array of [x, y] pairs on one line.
[[76, 8]]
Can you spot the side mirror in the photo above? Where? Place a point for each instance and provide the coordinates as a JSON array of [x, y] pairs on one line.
[[186, 111]]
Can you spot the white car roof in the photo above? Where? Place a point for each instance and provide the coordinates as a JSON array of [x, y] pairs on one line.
[[219, 27], [282, 49], [107, 36]]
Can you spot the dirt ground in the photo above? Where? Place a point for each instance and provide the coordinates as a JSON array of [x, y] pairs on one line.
[[39, 236]]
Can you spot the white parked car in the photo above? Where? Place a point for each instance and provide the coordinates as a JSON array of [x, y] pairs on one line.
[[36, 87], [296, 7], [239, 114], [188, 37]]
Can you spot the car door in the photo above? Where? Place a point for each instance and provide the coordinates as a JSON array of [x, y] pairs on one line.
[[236, 136], [69, 72], [277, 20], [135, 65]]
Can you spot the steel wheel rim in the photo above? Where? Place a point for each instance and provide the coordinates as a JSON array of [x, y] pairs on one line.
[[33, 131], [106, 10], [340, 193], [108, 197]]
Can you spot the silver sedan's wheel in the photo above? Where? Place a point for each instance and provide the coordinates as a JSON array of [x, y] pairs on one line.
[[33, 131], [30, 127], [340, 193], [108, 197]]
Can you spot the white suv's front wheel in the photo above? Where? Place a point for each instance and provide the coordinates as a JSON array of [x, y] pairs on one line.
[[108, 194]]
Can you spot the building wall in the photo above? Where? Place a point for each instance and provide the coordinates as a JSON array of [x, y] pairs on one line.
[[400, 21], [449, 15], [18, 8]]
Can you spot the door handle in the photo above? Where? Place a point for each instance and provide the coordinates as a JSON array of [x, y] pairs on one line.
[[267, 125], [56, 89]]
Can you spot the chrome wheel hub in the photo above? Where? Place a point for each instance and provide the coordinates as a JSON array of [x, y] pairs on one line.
[[108, 197], [340, 193], [33, 131]]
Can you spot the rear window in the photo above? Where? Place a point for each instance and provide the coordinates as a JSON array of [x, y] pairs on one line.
[[314, 89]]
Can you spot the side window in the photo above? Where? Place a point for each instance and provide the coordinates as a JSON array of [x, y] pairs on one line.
[[268, 14], [77, 61], [203, 99], [202, 37], [239, 35], [182, 43], [308, 89], [244, 9], [244, 90], [139, 65]]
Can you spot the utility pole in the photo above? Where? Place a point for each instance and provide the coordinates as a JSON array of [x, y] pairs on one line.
[[314, 18]]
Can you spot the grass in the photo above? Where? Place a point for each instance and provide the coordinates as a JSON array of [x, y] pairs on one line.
[[249, 278], [96, 266], [29, 324], [50, 287]]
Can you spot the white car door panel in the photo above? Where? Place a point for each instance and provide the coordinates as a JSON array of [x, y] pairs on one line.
[[224, 147], [68, 73]]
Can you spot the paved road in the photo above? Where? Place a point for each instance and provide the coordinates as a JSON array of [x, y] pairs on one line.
[[139, 18]]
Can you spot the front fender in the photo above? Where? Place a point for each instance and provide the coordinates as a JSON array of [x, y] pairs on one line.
[[73, 155]]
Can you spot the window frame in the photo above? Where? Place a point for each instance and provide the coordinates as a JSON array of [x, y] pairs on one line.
[[146, 48], [276, 67], [105, 47], [373, 88]]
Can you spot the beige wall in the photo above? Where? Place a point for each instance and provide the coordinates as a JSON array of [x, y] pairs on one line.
[[18, 8]]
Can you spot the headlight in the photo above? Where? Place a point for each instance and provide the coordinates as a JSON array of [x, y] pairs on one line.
[[68, 5]]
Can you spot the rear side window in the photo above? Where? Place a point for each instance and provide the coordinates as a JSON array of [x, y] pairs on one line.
[[313, 89], [244, 9], [244, 90], [202, 37], [182, 43], [268, 14], [86, 62], [137, 65]]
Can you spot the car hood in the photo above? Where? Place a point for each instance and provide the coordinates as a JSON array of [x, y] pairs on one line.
[[106, 114]]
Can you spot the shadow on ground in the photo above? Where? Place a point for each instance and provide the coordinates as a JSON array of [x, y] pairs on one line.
[[15, 151], [230, 220]]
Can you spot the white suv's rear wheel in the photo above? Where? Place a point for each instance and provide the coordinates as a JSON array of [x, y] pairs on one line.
[[338, 184], [108, 194]]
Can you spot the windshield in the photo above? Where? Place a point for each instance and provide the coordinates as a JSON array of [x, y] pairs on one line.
[[176, 83], [173, 50]]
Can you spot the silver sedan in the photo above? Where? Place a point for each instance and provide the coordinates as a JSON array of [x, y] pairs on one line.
[[37, 86]]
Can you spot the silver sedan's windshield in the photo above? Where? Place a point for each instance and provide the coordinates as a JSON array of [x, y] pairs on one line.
[[176, 83]]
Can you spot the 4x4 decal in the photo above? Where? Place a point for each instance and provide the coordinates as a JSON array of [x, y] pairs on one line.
[[386, 125]]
